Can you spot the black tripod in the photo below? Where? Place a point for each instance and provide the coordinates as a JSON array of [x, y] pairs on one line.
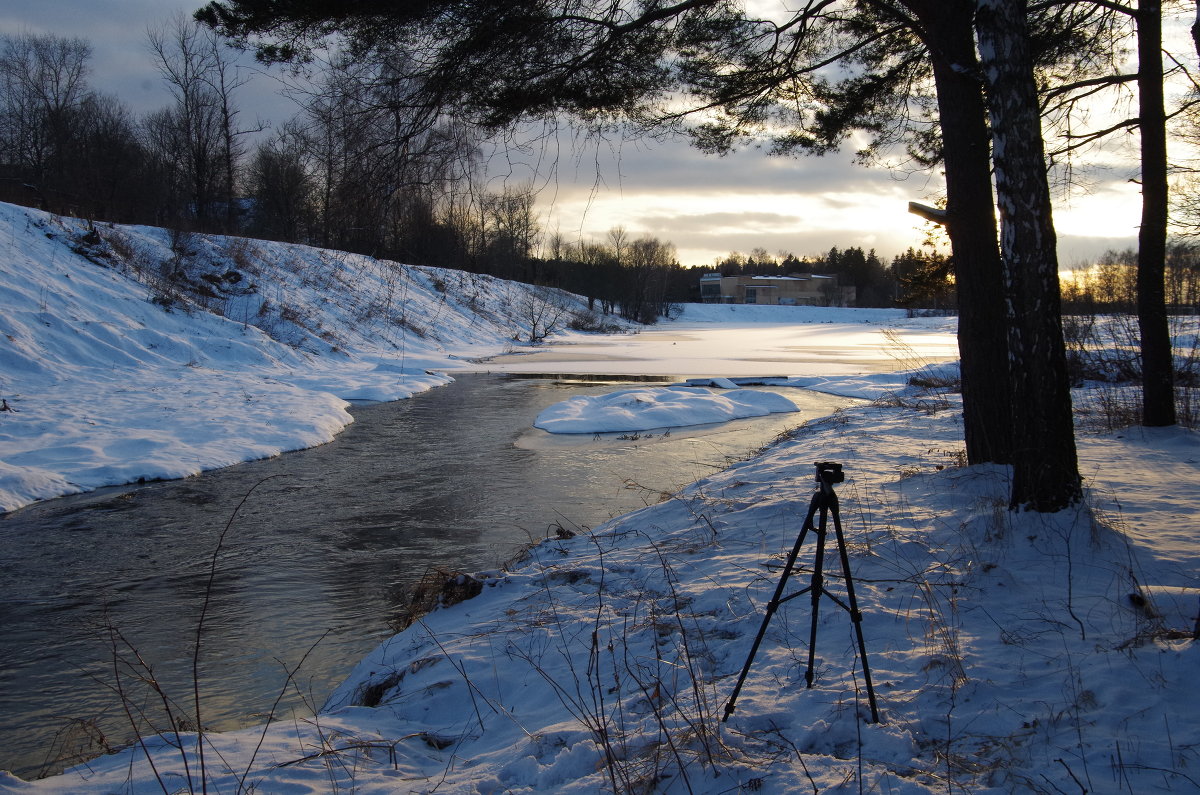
[[826, 502]]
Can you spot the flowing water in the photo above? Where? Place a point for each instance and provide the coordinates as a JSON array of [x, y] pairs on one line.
[[318, 560]]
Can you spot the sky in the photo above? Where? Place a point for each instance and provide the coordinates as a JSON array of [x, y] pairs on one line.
[[707, 206]]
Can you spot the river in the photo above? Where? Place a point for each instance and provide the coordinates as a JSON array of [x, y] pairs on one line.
[[318, 560]]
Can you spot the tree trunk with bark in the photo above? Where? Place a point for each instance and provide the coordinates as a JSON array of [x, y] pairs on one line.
[[1045, 465], [1158, 376], [971, 226]]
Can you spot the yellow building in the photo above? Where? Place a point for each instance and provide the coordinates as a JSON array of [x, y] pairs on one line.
[[797, 289]]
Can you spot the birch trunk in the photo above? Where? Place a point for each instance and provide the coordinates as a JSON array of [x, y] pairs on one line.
[[1045, 465]]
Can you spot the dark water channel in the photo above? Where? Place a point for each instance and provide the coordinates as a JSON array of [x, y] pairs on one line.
[[325, 548]]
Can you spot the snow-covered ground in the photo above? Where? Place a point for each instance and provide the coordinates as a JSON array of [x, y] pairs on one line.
[[749, 341], [111, 371], [1010, 652], [649, 408]]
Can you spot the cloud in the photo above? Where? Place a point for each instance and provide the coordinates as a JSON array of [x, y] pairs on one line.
[[121, 63], [711, 206], [708, 206]]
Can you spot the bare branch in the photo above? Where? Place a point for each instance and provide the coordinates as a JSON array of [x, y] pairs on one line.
[[1104, 81]]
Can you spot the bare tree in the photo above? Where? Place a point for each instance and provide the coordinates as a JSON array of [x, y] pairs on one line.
[[109, 164], [205, 136], [513, 232], [383, 177], [644, 280], [618, 238], [282, 187], [43, 84], [224, 78], [189, 131], [542, 311]]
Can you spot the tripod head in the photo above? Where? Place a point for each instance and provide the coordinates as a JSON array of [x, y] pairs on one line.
[[828, 473]]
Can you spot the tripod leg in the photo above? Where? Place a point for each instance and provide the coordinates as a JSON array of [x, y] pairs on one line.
[[772, 606], [855, 615], [818, 585]]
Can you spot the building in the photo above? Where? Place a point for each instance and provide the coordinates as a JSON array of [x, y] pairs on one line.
[[797, 289]]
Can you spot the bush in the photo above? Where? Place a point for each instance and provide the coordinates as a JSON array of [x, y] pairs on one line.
[[439, 587], [589, 321]]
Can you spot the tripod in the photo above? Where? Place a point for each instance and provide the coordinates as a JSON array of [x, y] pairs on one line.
[[826, 502]]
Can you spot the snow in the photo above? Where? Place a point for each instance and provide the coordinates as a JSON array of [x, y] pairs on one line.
[[1010, 652], [106, 385], [753, 342], [653, 408]]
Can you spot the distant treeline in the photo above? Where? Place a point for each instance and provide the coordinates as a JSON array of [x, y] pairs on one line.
[[1110, 285]]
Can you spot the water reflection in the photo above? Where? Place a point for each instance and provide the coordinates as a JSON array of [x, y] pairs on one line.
[[324, 549]]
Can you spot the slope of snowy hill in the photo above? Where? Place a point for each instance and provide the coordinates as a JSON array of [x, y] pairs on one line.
[[133, 352]]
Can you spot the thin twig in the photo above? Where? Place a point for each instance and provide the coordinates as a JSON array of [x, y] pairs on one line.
[[212, 576], [270, 715]]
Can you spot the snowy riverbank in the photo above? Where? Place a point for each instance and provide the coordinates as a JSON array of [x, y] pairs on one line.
[[127, 353], [111, 371], [1006, 650], [1009, 652]]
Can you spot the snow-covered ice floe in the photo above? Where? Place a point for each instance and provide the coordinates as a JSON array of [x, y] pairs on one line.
[[647, 408]]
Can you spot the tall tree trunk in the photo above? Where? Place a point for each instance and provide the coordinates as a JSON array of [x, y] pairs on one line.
[[1045, 466], [1158, 379], [971, 225]]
